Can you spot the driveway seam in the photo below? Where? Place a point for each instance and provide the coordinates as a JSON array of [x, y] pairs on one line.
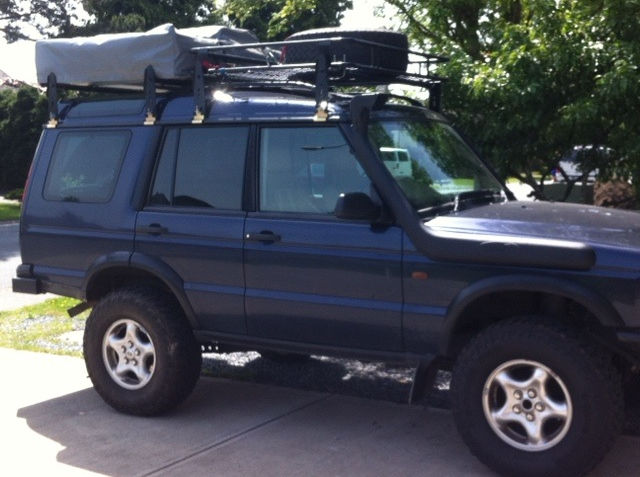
[[234, 437]]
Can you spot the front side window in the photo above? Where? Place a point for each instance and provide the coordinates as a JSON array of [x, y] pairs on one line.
[[201, 167], [305, 169], [85, 166], [433, 166]]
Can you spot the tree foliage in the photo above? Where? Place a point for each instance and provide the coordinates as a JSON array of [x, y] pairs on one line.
[[113, 16], [270, 20], [22, 113], [35, 18], [276, 19], [530, 79]]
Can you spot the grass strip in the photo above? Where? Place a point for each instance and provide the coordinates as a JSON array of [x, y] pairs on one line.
[[9, 211], [43, 328]]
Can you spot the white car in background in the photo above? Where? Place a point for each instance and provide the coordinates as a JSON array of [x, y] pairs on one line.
[[571, 163]]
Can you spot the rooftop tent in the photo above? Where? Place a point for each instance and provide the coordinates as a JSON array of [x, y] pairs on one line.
[[121, 58]]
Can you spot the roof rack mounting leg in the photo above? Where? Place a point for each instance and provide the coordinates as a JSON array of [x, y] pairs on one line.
[[199, 97], [52, 99], [150, 95], [435, 97], [322, 81]]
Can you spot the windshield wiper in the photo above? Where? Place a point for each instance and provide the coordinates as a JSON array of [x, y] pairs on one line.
[[463, 201], [473, 198]]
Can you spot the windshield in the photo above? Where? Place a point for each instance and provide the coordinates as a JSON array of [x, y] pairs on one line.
[[435, 169]]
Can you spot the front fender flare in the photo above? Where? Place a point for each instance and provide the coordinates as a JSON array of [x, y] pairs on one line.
[[590, 299]]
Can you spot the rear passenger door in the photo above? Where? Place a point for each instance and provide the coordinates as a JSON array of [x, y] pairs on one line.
[[192, 224], [310, 277]]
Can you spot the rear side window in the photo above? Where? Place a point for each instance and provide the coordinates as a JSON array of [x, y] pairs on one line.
[[201, 167], [85, 166]]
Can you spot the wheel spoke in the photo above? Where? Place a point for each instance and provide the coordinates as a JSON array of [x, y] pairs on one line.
[[518, 405], [535, 435], [129, 354]]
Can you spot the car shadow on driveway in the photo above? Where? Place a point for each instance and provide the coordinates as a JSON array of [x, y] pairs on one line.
[[235, 428], [232, 428]]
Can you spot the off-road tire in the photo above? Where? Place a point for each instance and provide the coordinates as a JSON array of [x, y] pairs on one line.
[[353, 52], [149, 332], [582, 391]]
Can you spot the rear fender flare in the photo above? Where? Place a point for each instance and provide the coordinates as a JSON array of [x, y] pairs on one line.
[[149, 266]]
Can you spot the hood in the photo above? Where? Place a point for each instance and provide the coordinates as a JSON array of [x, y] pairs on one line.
[[551, 220]]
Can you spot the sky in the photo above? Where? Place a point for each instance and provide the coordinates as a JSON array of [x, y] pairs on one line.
[[18, 59]]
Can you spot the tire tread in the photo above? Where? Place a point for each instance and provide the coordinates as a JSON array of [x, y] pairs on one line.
[[583, 353], [184, 358]]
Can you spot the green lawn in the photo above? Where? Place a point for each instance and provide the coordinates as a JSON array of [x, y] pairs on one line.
[[9, 211], [41, 327]]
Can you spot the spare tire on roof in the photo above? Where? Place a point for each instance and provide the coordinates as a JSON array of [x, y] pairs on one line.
[[393, 55]]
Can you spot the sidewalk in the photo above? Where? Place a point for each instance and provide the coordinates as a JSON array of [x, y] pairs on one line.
[[13, 301], [53, 423]]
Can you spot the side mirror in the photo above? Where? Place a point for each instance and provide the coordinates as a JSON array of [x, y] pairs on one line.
[[357, 206]]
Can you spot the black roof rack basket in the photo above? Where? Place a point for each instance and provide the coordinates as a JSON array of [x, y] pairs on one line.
[[221, 66]]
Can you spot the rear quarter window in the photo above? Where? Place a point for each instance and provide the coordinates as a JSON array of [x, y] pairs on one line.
[[85, 166]]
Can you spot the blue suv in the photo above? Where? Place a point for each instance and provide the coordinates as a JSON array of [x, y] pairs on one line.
[[273, 207]]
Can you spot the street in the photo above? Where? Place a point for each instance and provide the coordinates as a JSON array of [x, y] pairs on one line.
[[9, 254], [9, 261]]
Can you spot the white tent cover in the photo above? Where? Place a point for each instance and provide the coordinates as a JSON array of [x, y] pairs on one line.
[[121, 58]]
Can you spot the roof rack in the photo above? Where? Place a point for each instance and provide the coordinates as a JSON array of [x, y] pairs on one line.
[[327, 72], [217, 66]]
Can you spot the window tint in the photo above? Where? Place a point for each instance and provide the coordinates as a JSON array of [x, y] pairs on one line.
[[201, 167], [306, 169], [85, 166]]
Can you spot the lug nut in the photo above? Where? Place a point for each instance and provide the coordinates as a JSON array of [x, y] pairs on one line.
[[539, 407], [517, 394], [532, 393], [530, 417]]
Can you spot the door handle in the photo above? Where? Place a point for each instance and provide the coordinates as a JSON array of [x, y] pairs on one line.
[[262, 237], [153, 229]]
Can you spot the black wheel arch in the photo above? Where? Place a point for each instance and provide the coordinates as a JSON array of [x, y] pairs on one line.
[[123, 269], [501, 297]]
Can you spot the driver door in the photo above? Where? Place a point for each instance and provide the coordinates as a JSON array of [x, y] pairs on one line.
[[310, 277]]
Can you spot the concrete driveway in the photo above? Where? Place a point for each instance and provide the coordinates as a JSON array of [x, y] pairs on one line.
[[53, 423]]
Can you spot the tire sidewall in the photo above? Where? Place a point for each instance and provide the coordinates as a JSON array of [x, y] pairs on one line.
[[146, 311], [585, 388]]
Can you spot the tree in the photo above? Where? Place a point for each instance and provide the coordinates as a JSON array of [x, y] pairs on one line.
[[276, 19], [530, 79], [114, 16], [270, 20], [36, 18], [22, 114]]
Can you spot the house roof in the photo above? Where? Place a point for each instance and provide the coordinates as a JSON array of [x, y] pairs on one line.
[[7, 82]]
